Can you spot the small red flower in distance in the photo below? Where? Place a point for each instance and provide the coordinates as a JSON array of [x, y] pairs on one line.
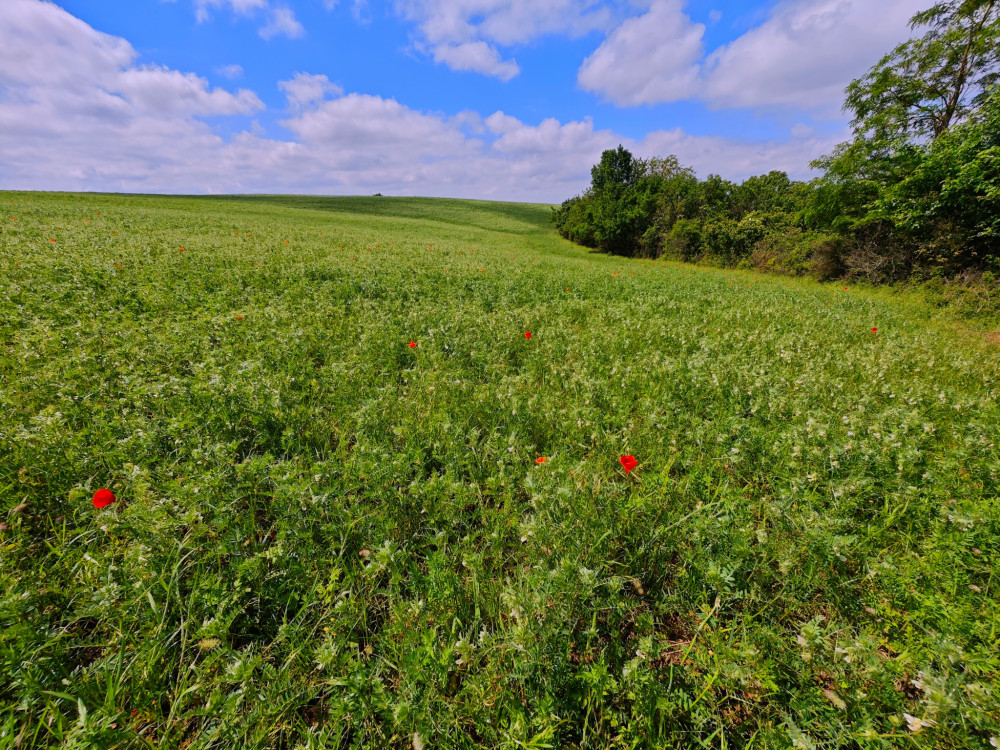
[[239, 317], [541, 460], [628, 463], [527, 335], [51, 240], [413, 344], [874, 330], [182, 249], [103, 498]]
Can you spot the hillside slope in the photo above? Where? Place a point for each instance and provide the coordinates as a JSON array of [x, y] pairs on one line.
[[324, 424]]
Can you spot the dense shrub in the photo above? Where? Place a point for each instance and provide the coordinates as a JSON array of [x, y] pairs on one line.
[[650, 208]]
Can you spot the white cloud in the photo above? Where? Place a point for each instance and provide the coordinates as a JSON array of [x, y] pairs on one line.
[[160, 91], [306, 89], [232, 72], [801, 130], [477, 57], [651, 58], [241, 7], [90, 119], [802, 56], [378, 131], [45, 46], [466, 34], [281, 19], [806, 53], [49, 57], [498, 123], [282, 23]]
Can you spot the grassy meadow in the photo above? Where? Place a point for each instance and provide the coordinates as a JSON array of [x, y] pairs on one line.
[[328, 538]]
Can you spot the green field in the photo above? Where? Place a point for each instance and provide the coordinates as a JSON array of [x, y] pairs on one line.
[[327, 538]]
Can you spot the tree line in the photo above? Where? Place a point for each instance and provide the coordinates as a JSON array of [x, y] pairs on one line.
[[914, 194]]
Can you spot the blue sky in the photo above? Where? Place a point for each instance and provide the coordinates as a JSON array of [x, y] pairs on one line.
[[507, 99]]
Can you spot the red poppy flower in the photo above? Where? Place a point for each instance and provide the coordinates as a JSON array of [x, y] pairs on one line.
[[628, 463], [413, 344], [103, 498], [527, 335], [51, 240], [874, 330], [239, 317], [541, 460], [182, 249]]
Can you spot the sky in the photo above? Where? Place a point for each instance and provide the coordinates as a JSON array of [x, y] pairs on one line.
[[492, 99]]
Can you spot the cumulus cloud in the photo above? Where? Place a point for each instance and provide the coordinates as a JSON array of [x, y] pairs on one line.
[[306, 89], [90, 118], [802, 56], [49, 57], [281, 20], [466, 34], [806, 53], [241, 7], [160, 91], [43, 45], [282, 23], [654, 57], [478, 57]]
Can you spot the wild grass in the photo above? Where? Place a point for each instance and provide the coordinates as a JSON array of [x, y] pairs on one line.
[[325, 538]]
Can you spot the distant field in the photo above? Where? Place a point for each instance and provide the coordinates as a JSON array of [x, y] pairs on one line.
[[327, 538]]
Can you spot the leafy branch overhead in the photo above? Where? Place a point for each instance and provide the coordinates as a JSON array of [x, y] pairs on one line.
[[930, 83]]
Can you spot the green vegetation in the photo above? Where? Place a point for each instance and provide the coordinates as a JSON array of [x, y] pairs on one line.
[[915, 196], [325, 538]]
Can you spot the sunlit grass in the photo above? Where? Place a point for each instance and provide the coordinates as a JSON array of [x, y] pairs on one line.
[[325, 537]]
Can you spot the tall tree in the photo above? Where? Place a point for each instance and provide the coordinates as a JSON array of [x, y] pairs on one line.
[[928, 84], [617, 170]]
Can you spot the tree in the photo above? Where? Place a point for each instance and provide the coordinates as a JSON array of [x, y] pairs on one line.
[[926, 85], [666, 168], [618, 170], [950, 200]]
